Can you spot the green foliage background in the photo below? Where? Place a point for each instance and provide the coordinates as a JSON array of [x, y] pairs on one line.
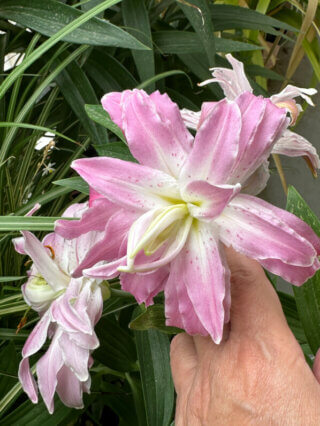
[[75, 52]]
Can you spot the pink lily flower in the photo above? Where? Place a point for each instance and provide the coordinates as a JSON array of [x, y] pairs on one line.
[[69, 309], [184, 203], [233, 83]]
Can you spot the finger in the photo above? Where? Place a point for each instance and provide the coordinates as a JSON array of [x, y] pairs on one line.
[[255, 305], [316, 366], [183, 360]]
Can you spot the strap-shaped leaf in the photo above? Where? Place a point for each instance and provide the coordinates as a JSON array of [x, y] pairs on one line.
[[308, 295], [153, 355]]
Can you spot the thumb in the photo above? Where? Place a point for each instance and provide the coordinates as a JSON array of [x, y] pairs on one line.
[[255, 305]]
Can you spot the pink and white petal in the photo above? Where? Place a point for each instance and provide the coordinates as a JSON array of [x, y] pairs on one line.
[[93, 196], [144, 287], [290, 219], [166, 253], [43, 262], [294, 145], [258, 180], [74, 357], [156, 135], [63, 251], [86, 341], [48, 367], [262, 124], [69, 388], [112, 103], [291, 92], [108, 271], [93, 219], [179, 310], [64, 313], [296, 275], [233, 82], [170, 115], [35, 208], [27, 380], [259, 232], [19, 245], [207, 201], [127, 184], [216, 145], [204, 275], [190, 118], [38, 336], [108, 245], [95, 305]]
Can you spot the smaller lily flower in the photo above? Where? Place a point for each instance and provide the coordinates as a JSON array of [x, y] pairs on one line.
[[234, 82], [69, 309]]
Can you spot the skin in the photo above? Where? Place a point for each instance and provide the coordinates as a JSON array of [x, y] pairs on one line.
[[257, 375]]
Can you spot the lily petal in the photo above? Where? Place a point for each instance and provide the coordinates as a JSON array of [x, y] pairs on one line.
[[27, 380], [93, 219], [108, 271], [107, 248], [296, 275], [43, 262], [127, 184], [153, 128], [74, 357], [206, 201], [291, 92], [215, 146], [233, 81], [258, 230], [69, 388], [48, 367], [294, 145], [199, 270], [37, 337], [144, 287], [262, 124]]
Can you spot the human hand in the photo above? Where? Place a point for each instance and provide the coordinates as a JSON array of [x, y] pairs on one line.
[[257, 375]]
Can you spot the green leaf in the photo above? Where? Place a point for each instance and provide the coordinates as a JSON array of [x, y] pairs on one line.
[[7, 279], [117, 350], [44, 47], [308, 295], [34, 127], [99, 115], [153, 317], [8, 368], [10, 334], [51, 17], [198, 14], [43, 199], [117, 150], [74, 183], [136, 19], [108, 72], [116, 304], [77, 90], [28, 414], [28, 223], [153, 354], [290, 310], [161, 76], [228, 17], [177, 42]]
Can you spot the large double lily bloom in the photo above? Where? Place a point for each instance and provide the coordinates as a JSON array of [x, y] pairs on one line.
[[184, 201], [69, 309]]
